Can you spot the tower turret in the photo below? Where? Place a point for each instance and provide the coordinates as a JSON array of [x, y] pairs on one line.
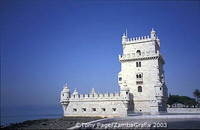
[[93, 91], [153, 34], [124, 37], [65, 93], [124, 90]]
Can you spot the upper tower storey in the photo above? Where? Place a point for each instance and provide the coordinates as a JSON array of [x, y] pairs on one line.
[[140, 47], [152, 37]]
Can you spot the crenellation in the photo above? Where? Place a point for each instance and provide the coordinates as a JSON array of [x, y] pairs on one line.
[[98, 96], [137, 40]]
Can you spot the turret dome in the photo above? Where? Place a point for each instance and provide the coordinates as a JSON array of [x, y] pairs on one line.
[[66, 89]]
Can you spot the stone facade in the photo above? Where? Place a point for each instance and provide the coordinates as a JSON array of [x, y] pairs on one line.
[[142, 70], [141, 81]]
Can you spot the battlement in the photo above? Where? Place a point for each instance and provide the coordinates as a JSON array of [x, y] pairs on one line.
[[138, 39], [93, 96], [142, 39], [100, 96]]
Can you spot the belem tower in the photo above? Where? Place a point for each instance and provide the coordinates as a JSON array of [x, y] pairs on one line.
[[141, 81]]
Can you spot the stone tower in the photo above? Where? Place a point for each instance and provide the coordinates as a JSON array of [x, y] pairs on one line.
[[142, 71]]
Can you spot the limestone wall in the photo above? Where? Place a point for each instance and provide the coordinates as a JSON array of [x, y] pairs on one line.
[[149, 87], [96, 108], [96, 104]]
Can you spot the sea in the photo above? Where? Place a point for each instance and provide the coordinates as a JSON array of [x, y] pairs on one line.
[[11, 115]]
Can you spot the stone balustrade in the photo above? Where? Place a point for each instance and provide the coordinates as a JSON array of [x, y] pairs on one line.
[[132, 56]]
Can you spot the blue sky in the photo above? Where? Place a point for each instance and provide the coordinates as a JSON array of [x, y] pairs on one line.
[[47, 42]]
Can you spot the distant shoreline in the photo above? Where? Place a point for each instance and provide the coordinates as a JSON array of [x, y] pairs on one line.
[[171, 121], [54, 123]]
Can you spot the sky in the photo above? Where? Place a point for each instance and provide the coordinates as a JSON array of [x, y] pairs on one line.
[[45, 43]]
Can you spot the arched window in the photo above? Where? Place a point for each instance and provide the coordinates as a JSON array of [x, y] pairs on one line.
[[139, 89], [138, 52]]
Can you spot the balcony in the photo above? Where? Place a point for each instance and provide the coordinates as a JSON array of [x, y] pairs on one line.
[[134, 56]]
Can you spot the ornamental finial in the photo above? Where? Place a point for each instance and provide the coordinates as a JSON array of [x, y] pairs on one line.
[[126, 32], [65, 85], [152, 30], [75, 92], [93, 91]]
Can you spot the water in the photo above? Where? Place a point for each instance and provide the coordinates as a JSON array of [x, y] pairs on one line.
[[19, 114]]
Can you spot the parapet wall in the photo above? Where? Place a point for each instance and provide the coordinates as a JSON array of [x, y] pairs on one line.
[[139, 39], [97, 97]]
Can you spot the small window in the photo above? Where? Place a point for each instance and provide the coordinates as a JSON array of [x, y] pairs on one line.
[[138, 64], [83, 109], [114, 109], [74, 109], [140, 110], [139, 89], [63, 95], [139, 76], [160, 88], [120, 78], [103, 109], [139, 82], [93, 109], [138, 52], [126, 93]]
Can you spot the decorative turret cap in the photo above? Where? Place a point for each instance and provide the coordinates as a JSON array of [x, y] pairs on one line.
[[125, 34], [75, 92], [65, 88], [153, 33], [124, 38], [93, 91]]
